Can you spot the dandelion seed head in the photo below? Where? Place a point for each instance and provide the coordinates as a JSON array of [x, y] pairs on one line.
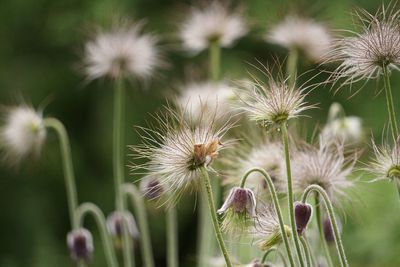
[[212, 23], [23, 133], [121, 52]]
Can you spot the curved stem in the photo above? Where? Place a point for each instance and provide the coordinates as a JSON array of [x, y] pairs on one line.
[[138, 204], [213, 212], [118, 164], [285, 141], [172, 237], [67, 167], [214, 61], [291, 67], [390, 104], [321, 231], [312, 256], [264, 258], [90, 208], [329, 208], [275, 200], [306, 249]]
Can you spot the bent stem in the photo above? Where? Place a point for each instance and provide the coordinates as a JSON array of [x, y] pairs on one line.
[[172, 237], [275, 201], [90, 208], [285, 141], [291, 67], [67, 167], [118, 164], [321, 231], [277, 251], [329, 208], [213, 212], [390, 104], [138, 204], [306, 249]]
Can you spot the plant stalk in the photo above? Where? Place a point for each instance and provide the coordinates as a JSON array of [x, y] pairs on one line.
[[321, 231], [172, 237], [291, 67], [390, 104], [264, 258], [214, 61], [307, 252]]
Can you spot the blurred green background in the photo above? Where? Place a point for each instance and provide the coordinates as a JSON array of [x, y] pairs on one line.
[[40, 49]]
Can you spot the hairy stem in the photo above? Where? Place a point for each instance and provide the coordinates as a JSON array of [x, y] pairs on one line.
[[67, 167], [285, 141], [275, 200], [213, 212], [390, 104], [90, 208], [172, 237], [321, 231], [277, 251], [312, 256], [138, 204], [329, 208], [306, 249], [291, 67]]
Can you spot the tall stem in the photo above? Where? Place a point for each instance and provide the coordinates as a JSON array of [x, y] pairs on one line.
[[275, 200], [321, 230], [118, 163], [312, 256], [329, 208], [172, 237], [306, 249], [390, 104], [264, 258], [213, 212], [214, 61], [291, 67], [90, 208], [285, 141], [138, 204], [67, 167]]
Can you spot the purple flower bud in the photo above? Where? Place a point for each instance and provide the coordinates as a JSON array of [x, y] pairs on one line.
[[303, 212], [151, 187], [115, 223], [240, 200], [80, 245], [328, 230], [257, 263]]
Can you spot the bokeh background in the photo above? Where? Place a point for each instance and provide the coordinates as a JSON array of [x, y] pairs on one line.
[[40, 49]]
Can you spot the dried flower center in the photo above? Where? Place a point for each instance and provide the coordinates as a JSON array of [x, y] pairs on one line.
[[119, 64], [204, 154], [280, 117], [394, 172]]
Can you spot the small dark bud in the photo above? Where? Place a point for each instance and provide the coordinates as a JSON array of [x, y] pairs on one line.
[[151, 188], [240, 200], [116, 220], [328, 230], [303, 212], [80, 245]]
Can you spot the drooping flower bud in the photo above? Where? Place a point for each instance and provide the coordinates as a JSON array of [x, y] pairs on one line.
[[328, 230], [239, 206], [303, 212], [80, 245], [151, 187], [116, 221]]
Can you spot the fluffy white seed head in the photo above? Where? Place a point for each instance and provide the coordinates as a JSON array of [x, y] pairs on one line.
[[307, 36], [177, 150], [205, 99], [325, 165], [212, 23], [121, 52], [365, 55], [23, 133]]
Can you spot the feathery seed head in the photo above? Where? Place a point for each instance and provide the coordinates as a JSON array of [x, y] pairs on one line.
[[80, 245], [365, 55], [386, 161], [212, 23], [177, 150], [23, 133], [238, 208], [305, 35], [122, 52]]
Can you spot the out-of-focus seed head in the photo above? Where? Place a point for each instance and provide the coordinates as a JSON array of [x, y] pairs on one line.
[[303, 212], [238, 208], [22, 134], [80, 245], [116, 221]]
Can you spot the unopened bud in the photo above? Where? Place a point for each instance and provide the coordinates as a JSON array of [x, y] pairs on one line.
[[116, 221], [80, 245], [240, 200], [328, 230], [151, 187], [303, 212]]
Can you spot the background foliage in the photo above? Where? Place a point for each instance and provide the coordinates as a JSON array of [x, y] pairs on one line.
[[39, 55]]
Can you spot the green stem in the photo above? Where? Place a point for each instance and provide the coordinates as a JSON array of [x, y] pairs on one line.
[[312, 256], [329, 208], [172, 237], [291, 67], [321, 230], [264, 258], [390, 104], [214, 61], [90, 208], [118, 164], [275, 200], [285, 141], [306, 249], [138, 204], [213, 212], [67, 167]]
